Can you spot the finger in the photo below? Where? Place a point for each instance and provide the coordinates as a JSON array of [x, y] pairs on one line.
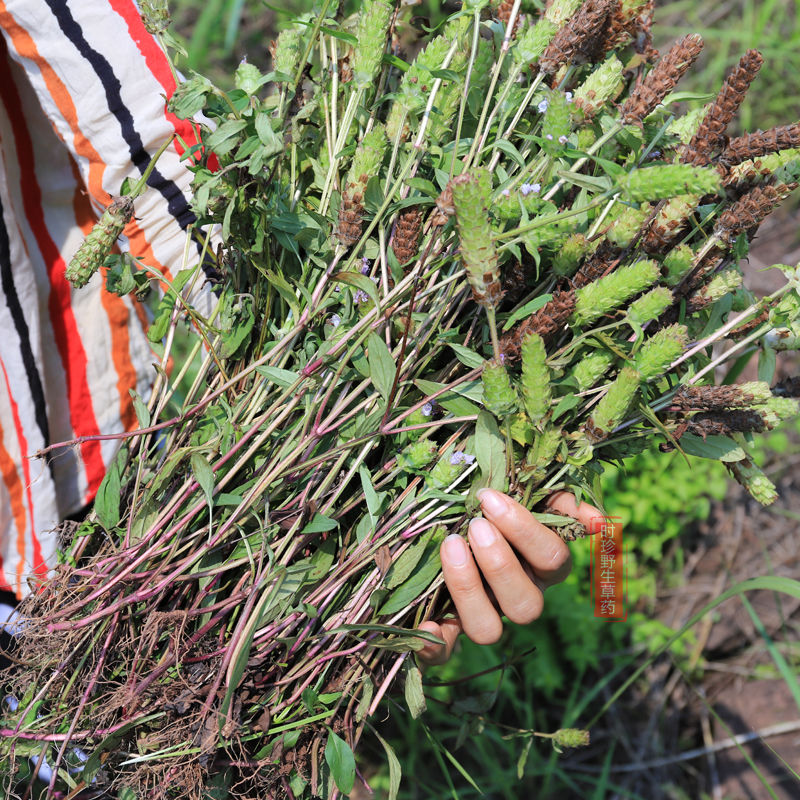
[[539, 546], [478, 616], [519, 599], [589, 516], [448, 630]]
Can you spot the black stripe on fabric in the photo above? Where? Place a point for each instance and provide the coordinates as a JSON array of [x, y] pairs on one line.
[[21, 327], [177, 203]]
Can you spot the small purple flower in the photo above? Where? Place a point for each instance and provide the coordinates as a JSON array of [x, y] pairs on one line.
[[364, 265], [543, 105], [502, 358], [337, 288], [427, 409], [335, 320], [460, 457], [506, 193], [361, 296], [568, 95], [530, 188], [562, 139], [549, 137]]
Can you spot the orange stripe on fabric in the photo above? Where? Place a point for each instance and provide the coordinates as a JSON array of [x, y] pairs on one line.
[[118, 316], [26, 47], [38, 566], [14, 487]]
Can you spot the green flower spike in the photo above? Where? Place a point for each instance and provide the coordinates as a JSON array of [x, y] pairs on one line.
[[366, 162], [686, 126], [778, 409], [725, 282], [556, 122], [532, 43], [627, 225], [567, 260], [542, 454], [785, 161], [286, 58], [498, 394], [536, 391], [571, 737], [419, 454], [678, 261], [758, 390], [94, 250], [471, 193], [612, 290], [590, 369], [660, 350], [603, 85], [448, 468], [650, 306], [753, 479], [613, 406], [373, 22], [670, 180]]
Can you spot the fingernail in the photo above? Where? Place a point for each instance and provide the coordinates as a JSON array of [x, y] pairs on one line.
[[492, 502], [481, 533], [455, 548]]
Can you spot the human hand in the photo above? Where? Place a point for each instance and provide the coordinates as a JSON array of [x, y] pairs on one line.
[[516, 579]]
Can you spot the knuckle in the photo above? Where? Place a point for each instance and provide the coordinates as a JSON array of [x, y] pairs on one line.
[[525, 612]]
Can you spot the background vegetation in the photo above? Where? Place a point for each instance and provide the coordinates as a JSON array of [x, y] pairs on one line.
[[478, 737]]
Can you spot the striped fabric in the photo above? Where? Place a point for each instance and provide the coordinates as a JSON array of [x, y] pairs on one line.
[[82, 88]]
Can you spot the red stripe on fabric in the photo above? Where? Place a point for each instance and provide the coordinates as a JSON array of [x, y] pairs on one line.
[[70, 347], [39, 567], [158, 64]]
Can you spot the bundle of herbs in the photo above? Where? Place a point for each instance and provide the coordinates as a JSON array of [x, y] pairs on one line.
[[500, 262]]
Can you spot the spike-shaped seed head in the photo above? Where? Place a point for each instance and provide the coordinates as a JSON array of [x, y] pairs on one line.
[[660, 350], [650, 305], [419, 454], [373, 23], [567, 260], [685, 126], [155, 16], [541, 455], [785, 166], [614, 404], [556, 122], [287, 52], [536, 391], [571, 737], [448, 468], [754, 391], [590, 369], [471, 197], [602, 86], [777, 410], [612, 290], [498, 394], [627, 225], [721, 284], [678, 262], [96, 247], [670, 180], [753, 478], [366, 162], [533, 41], [669, 222], [248, 78]]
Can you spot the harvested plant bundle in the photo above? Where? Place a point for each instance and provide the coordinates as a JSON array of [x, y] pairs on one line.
[[499, 263]]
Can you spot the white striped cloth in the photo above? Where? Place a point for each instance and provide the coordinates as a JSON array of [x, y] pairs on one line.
[[82, 88]]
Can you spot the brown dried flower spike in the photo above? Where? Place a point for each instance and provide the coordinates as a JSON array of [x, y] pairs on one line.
[[406, 234], [711, 134], [761, 143], [576, 36], [662, 79], [750, 210]]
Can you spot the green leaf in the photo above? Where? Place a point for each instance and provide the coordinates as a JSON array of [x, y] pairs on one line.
[[415, 698], [395, 770], [491, 452], [341, 761], [767, 361], [142, 413], [565, 404], [226, 136], [126, 793], [360, 282], [278, 376], [374, 499], [381, 365], [523, 757], [345, 37], [459, 400], [203, 474], [719, 448], [590, 182], [404, 564], [106, 504], [527, 310], [319, 524], [422, 575], [423, 185], [158, 328], [273, 144], [394, 61], [469, 358], [506, 147]]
